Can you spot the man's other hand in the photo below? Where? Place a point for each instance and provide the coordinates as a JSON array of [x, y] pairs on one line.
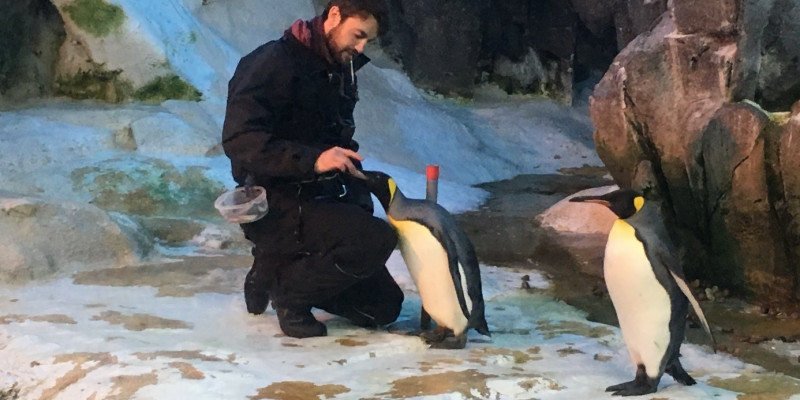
[[337, 158]]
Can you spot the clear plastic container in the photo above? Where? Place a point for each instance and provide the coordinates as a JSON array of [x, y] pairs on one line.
[[243, 204]]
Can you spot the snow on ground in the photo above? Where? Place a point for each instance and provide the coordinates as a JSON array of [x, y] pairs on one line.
[[179, 330]]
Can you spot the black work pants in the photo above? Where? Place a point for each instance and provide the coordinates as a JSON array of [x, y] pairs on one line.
[[338, 266]]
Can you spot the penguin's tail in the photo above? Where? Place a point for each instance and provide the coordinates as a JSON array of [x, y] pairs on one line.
[[483, 327], [696, 306]]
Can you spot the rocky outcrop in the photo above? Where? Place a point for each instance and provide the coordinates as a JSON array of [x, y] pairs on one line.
[[45, 238], [105, 57], [87, 49], [741, 176], [671, 99], [31, 32], [788, 207]]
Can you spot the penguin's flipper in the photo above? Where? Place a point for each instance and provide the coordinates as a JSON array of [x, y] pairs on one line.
[[696, 306], [468, 265], [665, 254], [458, 279]]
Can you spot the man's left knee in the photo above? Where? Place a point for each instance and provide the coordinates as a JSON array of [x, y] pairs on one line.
[[390, 308]]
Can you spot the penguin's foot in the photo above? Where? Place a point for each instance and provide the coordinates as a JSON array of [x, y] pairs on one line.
[[640, 385], [443, 338], [675, 369], [437, 335], [451, 342], [632, 388]]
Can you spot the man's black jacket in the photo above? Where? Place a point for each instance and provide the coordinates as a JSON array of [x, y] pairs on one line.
[[286, 105]]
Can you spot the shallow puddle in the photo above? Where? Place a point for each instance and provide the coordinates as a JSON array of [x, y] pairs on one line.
[[140, 322], [294, 390], [470, 383], [761, 387]]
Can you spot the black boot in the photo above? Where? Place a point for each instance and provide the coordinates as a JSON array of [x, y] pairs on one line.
[[300, 324], [256, 293]]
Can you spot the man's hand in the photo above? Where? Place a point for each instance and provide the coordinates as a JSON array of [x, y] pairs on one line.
[[337, 158]]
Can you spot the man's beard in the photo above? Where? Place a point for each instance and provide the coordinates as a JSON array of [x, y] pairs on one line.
[[341, 55]]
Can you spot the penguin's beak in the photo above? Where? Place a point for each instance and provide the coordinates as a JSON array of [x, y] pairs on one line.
[[368, 176], [379, 186], [591, 199], [358, 174]]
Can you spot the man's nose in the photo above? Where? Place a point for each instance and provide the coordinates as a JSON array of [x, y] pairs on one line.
[[359, 47]]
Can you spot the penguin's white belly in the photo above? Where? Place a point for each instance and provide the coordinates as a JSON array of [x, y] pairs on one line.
[[643, 306], [426, 260]]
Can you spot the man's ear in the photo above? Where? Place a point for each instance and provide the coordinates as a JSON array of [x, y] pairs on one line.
[[334, 16]]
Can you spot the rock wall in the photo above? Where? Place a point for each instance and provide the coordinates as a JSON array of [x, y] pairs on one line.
[[778, 82], [548, 46], [97, 49], [83, 49], [672, 99], [31, 32], [541, 47]]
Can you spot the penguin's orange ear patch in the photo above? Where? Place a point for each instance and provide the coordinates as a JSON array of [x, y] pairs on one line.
[[392, 188], [638, 202]]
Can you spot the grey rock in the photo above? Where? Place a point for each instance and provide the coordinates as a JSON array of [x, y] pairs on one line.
[[48, 238]]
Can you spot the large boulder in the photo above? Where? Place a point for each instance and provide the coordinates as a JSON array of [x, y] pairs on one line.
[[671, 99], [42, 238], [788, 207], [744, 232], [137, 163]]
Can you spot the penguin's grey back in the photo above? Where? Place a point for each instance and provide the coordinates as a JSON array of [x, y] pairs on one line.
[[662, 253], [650, 229]]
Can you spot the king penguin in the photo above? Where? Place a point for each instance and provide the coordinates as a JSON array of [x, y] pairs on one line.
[[441, 260], [647, 287]]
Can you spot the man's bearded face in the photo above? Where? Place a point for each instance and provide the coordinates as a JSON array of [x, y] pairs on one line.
[[348, 39]]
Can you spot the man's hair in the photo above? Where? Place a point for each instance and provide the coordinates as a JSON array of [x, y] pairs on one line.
[[362, 9]]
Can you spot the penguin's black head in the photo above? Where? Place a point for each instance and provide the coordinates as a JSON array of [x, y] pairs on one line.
[[623, 202], [382, 186]]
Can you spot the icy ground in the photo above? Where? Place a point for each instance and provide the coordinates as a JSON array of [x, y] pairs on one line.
[[180, 331]]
